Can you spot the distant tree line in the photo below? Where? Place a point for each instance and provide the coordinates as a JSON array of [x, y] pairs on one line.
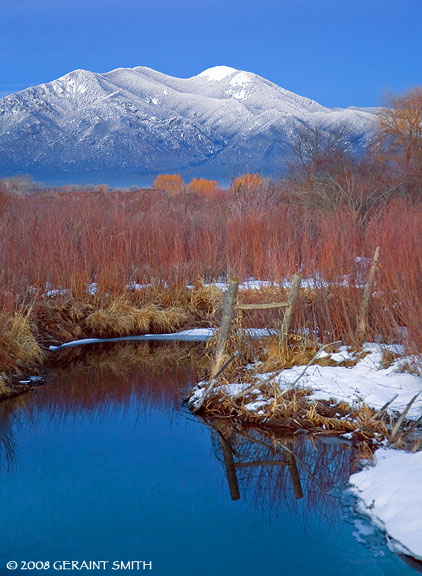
[[322, 171]]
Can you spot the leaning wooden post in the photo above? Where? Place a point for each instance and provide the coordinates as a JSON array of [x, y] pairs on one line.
[[223, 338], [363, 314], [288, 315], [226, 321]]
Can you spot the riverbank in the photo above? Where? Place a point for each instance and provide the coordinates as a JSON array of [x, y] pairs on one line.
[[29, 335], [367, 398], [389, 493], [81, 263], [353, 397], [358, 395]]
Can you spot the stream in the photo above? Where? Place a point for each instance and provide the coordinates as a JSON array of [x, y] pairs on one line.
[[104, 463]]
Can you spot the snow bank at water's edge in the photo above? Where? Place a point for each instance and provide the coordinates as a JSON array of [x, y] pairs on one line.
[[390, 492]]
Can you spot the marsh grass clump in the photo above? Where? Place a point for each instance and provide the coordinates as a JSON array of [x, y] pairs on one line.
[[299, 351], [167, 319], [122, 318], [61, 319], [118, 318], [388, 357], [205, 301], [67, 318], [20, 352], [18, 344]]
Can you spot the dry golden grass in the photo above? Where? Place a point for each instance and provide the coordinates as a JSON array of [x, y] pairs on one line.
[[205, 301], [167, 319], [18, 345], [160, 294], [59, 320], [388, 358], [300, 352], [122, 318], [4, 388], [119, 318]]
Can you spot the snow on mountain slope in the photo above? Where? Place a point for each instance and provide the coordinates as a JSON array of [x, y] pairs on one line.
[[140, 121]]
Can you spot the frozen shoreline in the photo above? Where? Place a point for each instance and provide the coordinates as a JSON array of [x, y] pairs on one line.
[[390, 493], [367, 382], [194, 335], [389, 490]]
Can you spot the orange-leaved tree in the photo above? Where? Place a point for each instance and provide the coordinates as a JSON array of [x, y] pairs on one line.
[[203, 187], [248, 183], [171, 183]]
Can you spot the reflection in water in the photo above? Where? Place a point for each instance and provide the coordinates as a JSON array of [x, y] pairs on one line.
[[116, 374], [7, 441], [272, 469], [275, 470], [99, 378], [106, 441]]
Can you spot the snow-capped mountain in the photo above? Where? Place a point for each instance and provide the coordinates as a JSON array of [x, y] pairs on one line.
[[136, 121]]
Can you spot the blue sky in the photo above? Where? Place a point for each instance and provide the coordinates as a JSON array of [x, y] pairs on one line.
[[338, 52]]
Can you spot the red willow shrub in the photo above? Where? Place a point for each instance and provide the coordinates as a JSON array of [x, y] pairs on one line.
[[55, 240]]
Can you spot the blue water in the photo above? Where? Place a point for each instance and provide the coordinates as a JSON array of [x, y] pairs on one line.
[[100, 466]]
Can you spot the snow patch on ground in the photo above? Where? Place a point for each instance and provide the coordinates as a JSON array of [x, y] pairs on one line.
[[389, 493], [250, 284], [368, 381]]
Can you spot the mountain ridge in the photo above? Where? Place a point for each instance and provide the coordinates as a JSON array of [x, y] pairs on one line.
[[137, 122]]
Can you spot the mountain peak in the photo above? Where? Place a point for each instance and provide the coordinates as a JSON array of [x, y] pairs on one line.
[[217, 72], [139, 121]]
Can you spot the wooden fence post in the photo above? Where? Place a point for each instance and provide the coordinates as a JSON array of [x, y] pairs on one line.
[[288, 315], [223, 337], [363, 315], [226, 321]]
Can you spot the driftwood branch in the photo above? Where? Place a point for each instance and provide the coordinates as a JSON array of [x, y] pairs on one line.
[[256, 385], [381, 411], [213, 382], [402, 417], [302, 374]]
